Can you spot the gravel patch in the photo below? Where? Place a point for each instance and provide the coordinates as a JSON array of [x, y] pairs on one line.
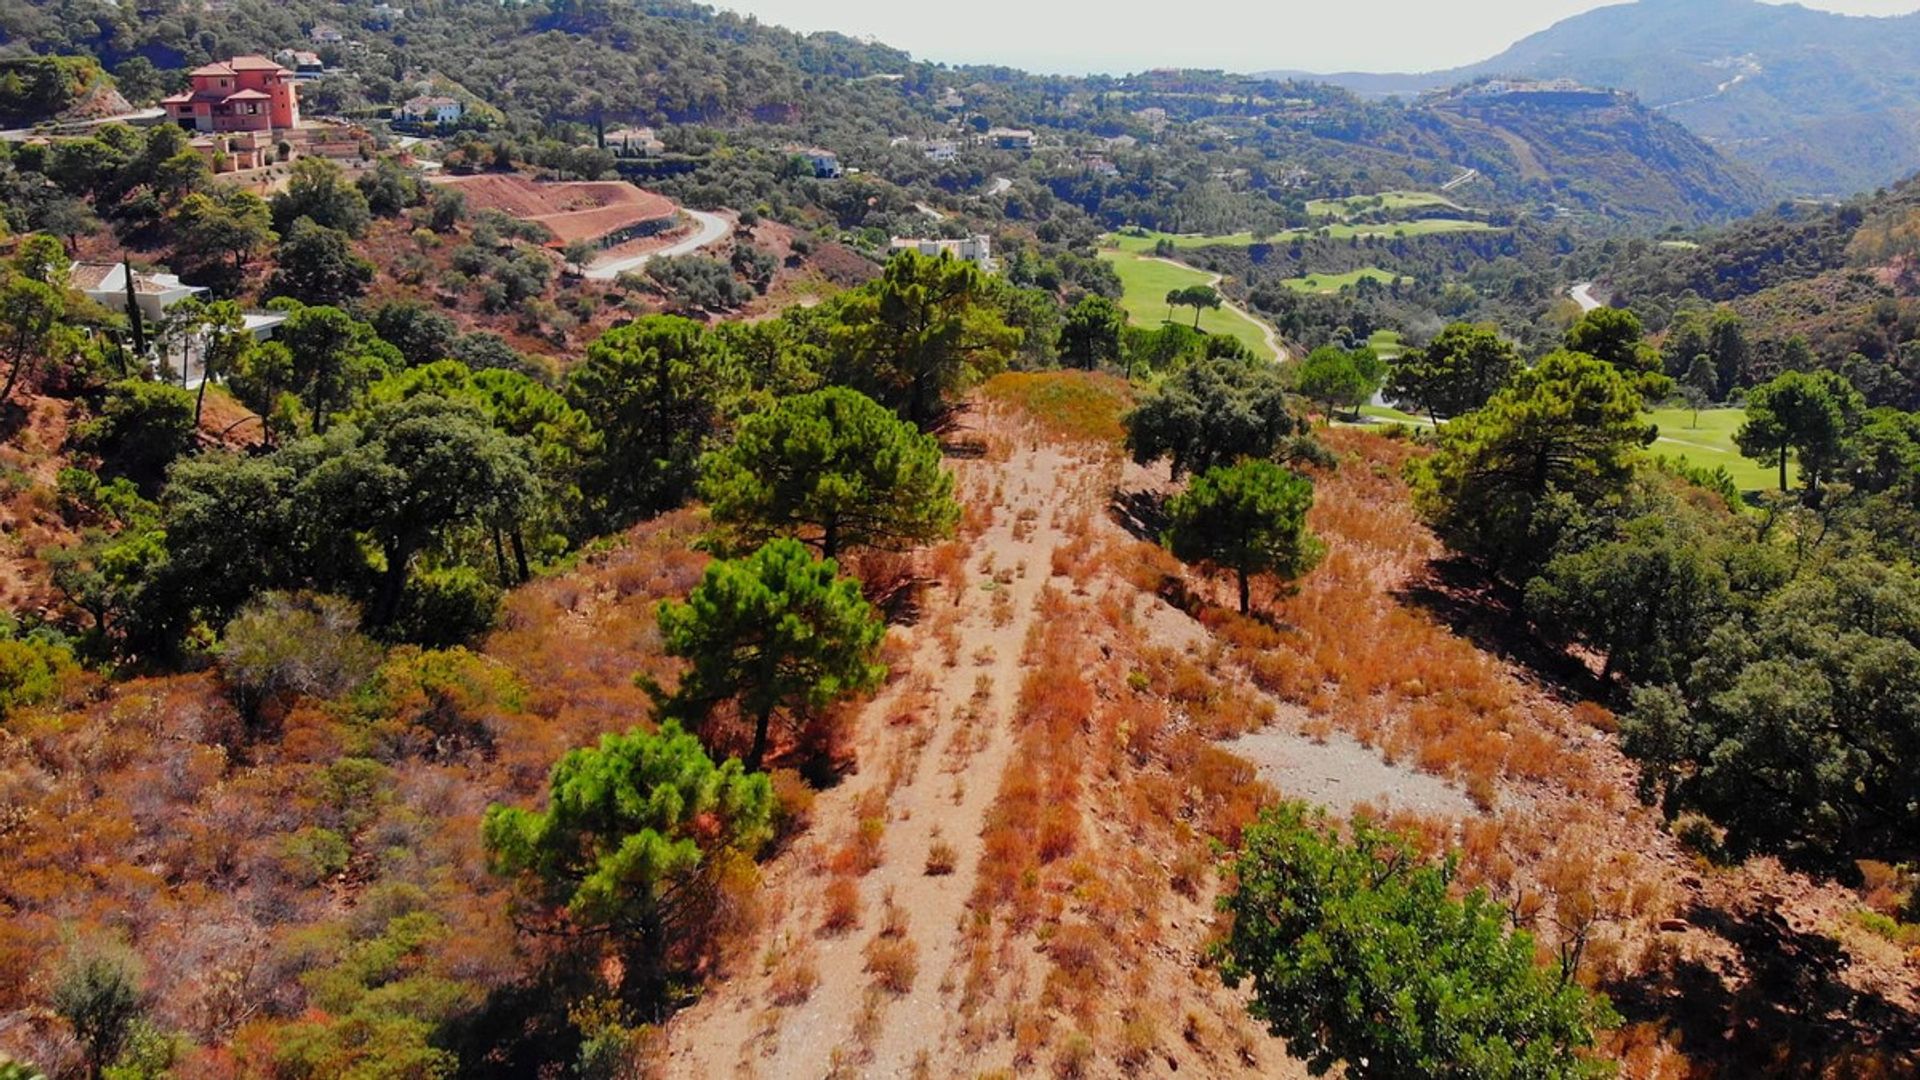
[[1340, 773]]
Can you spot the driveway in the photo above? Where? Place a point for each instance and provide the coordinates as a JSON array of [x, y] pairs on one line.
[[712, 228]]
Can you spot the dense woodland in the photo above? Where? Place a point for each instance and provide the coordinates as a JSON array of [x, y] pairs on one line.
[[481, 677]]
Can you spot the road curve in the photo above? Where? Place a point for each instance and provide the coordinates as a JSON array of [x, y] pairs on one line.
[[712, 229], [1582, 294]]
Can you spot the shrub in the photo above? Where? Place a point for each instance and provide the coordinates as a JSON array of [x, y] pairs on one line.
[[940, 859], [287, 645], [893, 962], [312, 855], [842, 896], [1327, 927], [445, 607]]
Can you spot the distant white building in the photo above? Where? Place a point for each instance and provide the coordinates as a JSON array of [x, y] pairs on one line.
[[432, 109], [1010, 139], [322, 34], [635, 142], [825, 163], [976, 249], [941, 151]]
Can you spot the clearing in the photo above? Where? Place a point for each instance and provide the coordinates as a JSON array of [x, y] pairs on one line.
[[1709, 443], [599, 211], [1147, 280], [1333, 283], [1391, 201], [1145, 240]]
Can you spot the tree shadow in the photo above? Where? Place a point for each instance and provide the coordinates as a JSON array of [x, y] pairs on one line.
[[1143, 513], [1461, 595], [13, 419], [1791, 1015]]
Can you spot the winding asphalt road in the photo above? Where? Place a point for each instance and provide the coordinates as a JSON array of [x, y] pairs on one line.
[[1583, 295], [712, 229]]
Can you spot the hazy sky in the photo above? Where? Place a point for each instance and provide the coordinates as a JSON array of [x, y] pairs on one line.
[[1119, 36]]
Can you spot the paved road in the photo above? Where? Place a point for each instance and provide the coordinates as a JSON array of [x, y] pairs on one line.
[[1000, 186], [1583, 295], [712, 229]]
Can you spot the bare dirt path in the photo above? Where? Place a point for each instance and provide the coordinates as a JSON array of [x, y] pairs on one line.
[[933, 746]]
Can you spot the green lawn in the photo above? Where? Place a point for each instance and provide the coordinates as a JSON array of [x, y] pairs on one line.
[[1711, 443], [1337, 231], [1386, 344], [1333, 283], [1389, 200], [1148, 281]]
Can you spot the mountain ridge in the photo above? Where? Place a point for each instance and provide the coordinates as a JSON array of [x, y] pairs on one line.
[[1820, 102]]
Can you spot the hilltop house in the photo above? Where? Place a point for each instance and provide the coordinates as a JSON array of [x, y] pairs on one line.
[[941, 151], [246, 93], [634, 142], [322, 34], [825, 163], [305, 63], [1010, 139], [976, 249], [432, 109]]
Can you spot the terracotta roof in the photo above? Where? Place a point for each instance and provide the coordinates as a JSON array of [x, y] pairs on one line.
[[215, 68], [247, 95], [254, 63], [176, 99], [90, 276]]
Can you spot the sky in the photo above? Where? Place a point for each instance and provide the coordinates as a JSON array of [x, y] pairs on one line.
[[1121, 36]]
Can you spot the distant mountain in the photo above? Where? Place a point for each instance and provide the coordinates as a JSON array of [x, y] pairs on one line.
[[1821, 103]]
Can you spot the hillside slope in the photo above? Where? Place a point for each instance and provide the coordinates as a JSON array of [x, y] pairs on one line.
[[1820, 102]]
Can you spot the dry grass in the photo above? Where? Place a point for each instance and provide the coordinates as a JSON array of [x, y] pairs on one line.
[[893, 962], [1070, 406]]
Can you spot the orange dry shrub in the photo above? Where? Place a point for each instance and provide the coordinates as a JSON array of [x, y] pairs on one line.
[[1066, 406], [1035, 817]]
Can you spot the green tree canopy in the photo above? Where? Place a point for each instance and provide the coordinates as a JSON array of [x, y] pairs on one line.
[[1799, 729], [142, 428], [1090, 335], [778, 632], [228, 222], [926, 329], [319, 190], [1334, 377], [1646, 599], [317, 265], [1810, 415], [657, 393], [334, 358], [1211, 412], [631, 828], [414, 472], [834, 469], [1248, 518], [1358, 953], [30, 313], [1570, 425], [1457, 372]]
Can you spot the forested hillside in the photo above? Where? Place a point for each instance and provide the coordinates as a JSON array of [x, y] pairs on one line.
[[586, 66], [1817, 102]]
